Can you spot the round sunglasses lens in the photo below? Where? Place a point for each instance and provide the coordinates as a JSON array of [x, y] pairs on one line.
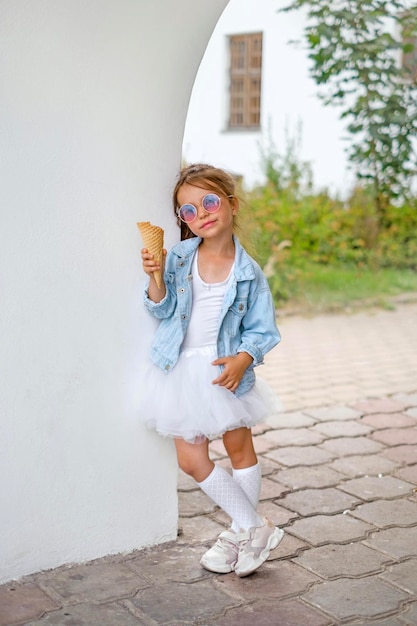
[[187, 213], [211, 202]]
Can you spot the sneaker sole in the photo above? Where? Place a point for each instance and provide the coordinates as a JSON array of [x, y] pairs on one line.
[[273, 542], [225, 569]]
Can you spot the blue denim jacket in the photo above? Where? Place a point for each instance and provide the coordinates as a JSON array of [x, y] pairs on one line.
[[247, 318]]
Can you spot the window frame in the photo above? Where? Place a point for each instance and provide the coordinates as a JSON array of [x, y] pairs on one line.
[[245, 81]]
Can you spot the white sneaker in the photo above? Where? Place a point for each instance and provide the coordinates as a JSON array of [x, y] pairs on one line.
[[255, 546], [222, 557]]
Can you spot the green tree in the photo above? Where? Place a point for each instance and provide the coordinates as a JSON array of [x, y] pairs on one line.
[[355, 47]]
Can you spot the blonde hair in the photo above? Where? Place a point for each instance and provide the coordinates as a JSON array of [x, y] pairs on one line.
[[206, 177]]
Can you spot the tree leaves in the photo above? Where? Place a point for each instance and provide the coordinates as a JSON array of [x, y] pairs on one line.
[[354, 49]]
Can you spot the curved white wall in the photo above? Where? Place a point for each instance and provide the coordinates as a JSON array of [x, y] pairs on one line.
[[93, 98]]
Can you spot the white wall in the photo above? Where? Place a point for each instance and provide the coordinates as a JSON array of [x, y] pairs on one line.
[[289, 96], [93, 98]]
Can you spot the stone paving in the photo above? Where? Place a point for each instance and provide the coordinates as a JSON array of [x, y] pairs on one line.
[[339, 467]]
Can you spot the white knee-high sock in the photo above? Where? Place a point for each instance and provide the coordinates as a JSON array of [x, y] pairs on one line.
[[249, 479], [227, 494]]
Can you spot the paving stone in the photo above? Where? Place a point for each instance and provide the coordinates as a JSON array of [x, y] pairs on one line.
[[90, 615], [409, 617], [379, 405], [409, 474], [403, 575], [406, 455], [336, 561], [277, 514], [182, 602], [371, 487], [300, 455], [388, 420], [332, 413], [373, 464], [262, 444], [409, 399], [285, 613], [260, 429], [293, 437], [396, 436], [271, 489], [23, 601], [199, 529], [217, 447], [99, 581], [412, 412], [384, 513], [194, 503], [314, 477], [268, 466], [323, 529], [347, 446], [295, 419], [155, 565], [275, 579], [347, 598], [289, 547], [311, 501], [389, 621], [342, 429], [396, 542]]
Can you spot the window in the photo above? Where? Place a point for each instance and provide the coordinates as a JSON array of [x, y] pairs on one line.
[[245, 81]]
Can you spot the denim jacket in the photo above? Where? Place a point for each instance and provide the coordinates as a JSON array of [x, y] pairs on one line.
[[247, 318]]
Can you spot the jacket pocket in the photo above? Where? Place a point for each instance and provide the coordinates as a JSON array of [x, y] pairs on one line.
[[234, 316]]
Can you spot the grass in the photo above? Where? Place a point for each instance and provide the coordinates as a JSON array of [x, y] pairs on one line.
[[320, 288]]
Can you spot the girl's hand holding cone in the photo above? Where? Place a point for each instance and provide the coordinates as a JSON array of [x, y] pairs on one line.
[[153, 255]]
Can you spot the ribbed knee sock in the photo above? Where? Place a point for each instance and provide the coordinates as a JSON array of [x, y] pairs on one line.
[[227, 494], [249, 479]]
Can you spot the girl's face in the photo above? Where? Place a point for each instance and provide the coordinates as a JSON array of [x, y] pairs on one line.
[[208, 225]]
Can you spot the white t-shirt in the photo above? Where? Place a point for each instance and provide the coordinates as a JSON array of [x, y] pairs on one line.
[[206, 306]]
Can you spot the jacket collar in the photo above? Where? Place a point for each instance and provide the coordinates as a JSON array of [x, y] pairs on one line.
[[243, 263]]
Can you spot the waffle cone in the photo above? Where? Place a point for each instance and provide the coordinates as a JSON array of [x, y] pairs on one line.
[[153, 239]]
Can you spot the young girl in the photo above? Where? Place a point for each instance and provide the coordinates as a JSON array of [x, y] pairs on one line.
[[217, 323]]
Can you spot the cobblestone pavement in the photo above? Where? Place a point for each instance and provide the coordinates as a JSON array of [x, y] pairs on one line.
[[339, 469]]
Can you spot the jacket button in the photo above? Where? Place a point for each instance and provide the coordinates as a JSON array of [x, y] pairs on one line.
[[241, 307], [183, 317], [167, 367], [182, 290]]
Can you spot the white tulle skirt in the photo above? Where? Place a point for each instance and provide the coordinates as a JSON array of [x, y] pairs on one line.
[[184, 402]]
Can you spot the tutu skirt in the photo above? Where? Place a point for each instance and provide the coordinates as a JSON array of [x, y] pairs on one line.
[[184, 403]]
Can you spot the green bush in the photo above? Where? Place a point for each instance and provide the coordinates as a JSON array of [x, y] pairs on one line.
[[290, 235]]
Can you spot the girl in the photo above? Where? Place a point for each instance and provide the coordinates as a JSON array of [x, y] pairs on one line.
[[217, 323]]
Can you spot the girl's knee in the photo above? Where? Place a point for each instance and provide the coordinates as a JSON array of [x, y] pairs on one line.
[[197, 470], [193, 460], [239, 447]]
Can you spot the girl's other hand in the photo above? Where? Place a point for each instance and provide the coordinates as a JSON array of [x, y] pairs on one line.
[[234, 368]]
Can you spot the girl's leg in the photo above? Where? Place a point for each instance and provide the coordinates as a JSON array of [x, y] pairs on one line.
[[246, 469], [255, 545], [194, 460], [239, 447]]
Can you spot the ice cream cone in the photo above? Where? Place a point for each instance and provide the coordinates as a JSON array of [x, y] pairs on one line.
[[153, 238]]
